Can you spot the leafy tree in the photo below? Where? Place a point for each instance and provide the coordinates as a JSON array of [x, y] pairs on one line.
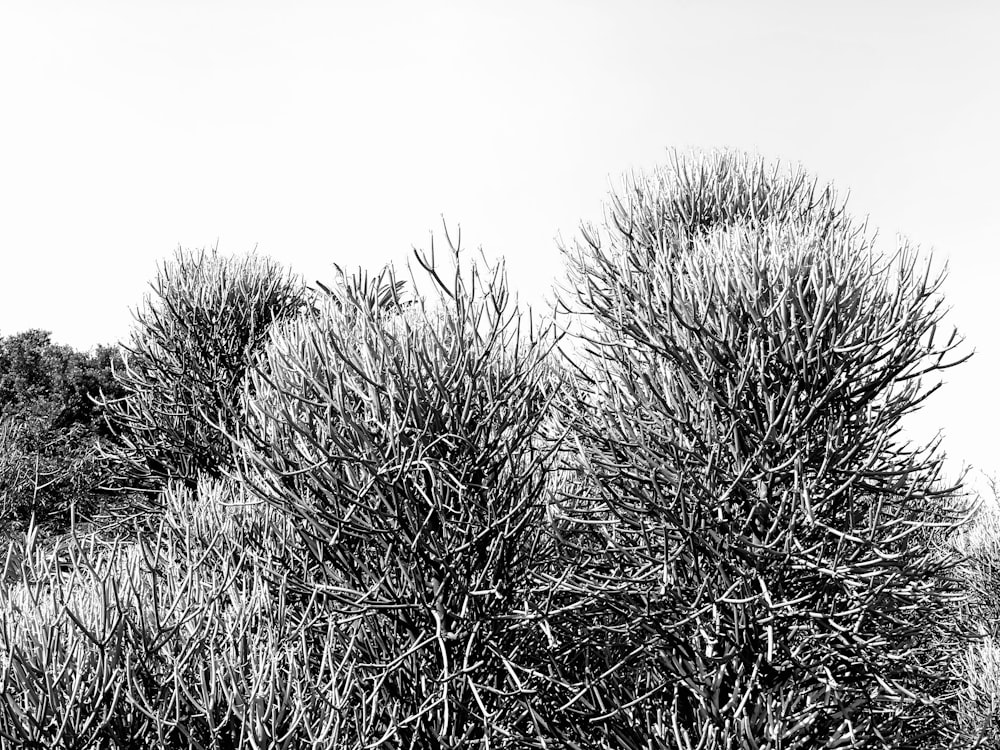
[[50, 429]]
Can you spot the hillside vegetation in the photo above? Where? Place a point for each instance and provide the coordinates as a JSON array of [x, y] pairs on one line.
[[678, 512]]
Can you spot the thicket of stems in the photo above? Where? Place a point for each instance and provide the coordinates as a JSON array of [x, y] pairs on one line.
[[387, 519], [204, 319], [753, 355]]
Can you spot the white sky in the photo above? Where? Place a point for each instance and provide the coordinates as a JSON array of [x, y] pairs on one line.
[[342, 131]]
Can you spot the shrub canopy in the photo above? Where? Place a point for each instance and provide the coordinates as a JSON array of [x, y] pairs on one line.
[[751, 356], [405, 441], [702, 529], [192, 343]]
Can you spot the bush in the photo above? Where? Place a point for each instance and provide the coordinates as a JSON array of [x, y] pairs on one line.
[[175, 641], [380, 592], [50, 430], [47, 474], [395, 521], [976, 664], [758, 579], [191, 345], [405, 442]]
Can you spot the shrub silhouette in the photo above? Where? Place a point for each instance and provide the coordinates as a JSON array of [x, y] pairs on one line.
[[757, 577], [191, 345]]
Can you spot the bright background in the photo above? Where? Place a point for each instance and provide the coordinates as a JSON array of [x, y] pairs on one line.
[[342, 131]]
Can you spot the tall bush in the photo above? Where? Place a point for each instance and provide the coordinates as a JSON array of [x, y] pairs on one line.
[[751, 570], [193, 339], [405, 442]]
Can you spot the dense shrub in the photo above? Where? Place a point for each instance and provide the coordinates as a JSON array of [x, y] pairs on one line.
[[41, 378], [759, 578], [191, 345], [976, 666], [405, 442], [399, 521], [174, 641], [46, 473], [50, 430]]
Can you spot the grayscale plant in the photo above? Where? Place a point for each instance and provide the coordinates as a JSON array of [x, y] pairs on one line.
[[393, 520], [404, 440], [192, 343], [750, 569]]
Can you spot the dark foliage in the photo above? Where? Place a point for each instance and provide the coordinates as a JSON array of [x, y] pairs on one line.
[[51, 430]]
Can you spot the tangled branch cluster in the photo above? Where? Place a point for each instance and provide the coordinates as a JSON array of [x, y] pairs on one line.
[[700, 529]]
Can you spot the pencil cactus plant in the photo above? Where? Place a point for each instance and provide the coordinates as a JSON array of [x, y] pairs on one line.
[[701, 530], [192, 342], [404, 441], [752, 572], [177, 640]]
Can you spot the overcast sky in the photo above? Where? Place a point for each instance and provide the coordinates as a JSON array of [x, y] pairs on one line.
[[343, 131]]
